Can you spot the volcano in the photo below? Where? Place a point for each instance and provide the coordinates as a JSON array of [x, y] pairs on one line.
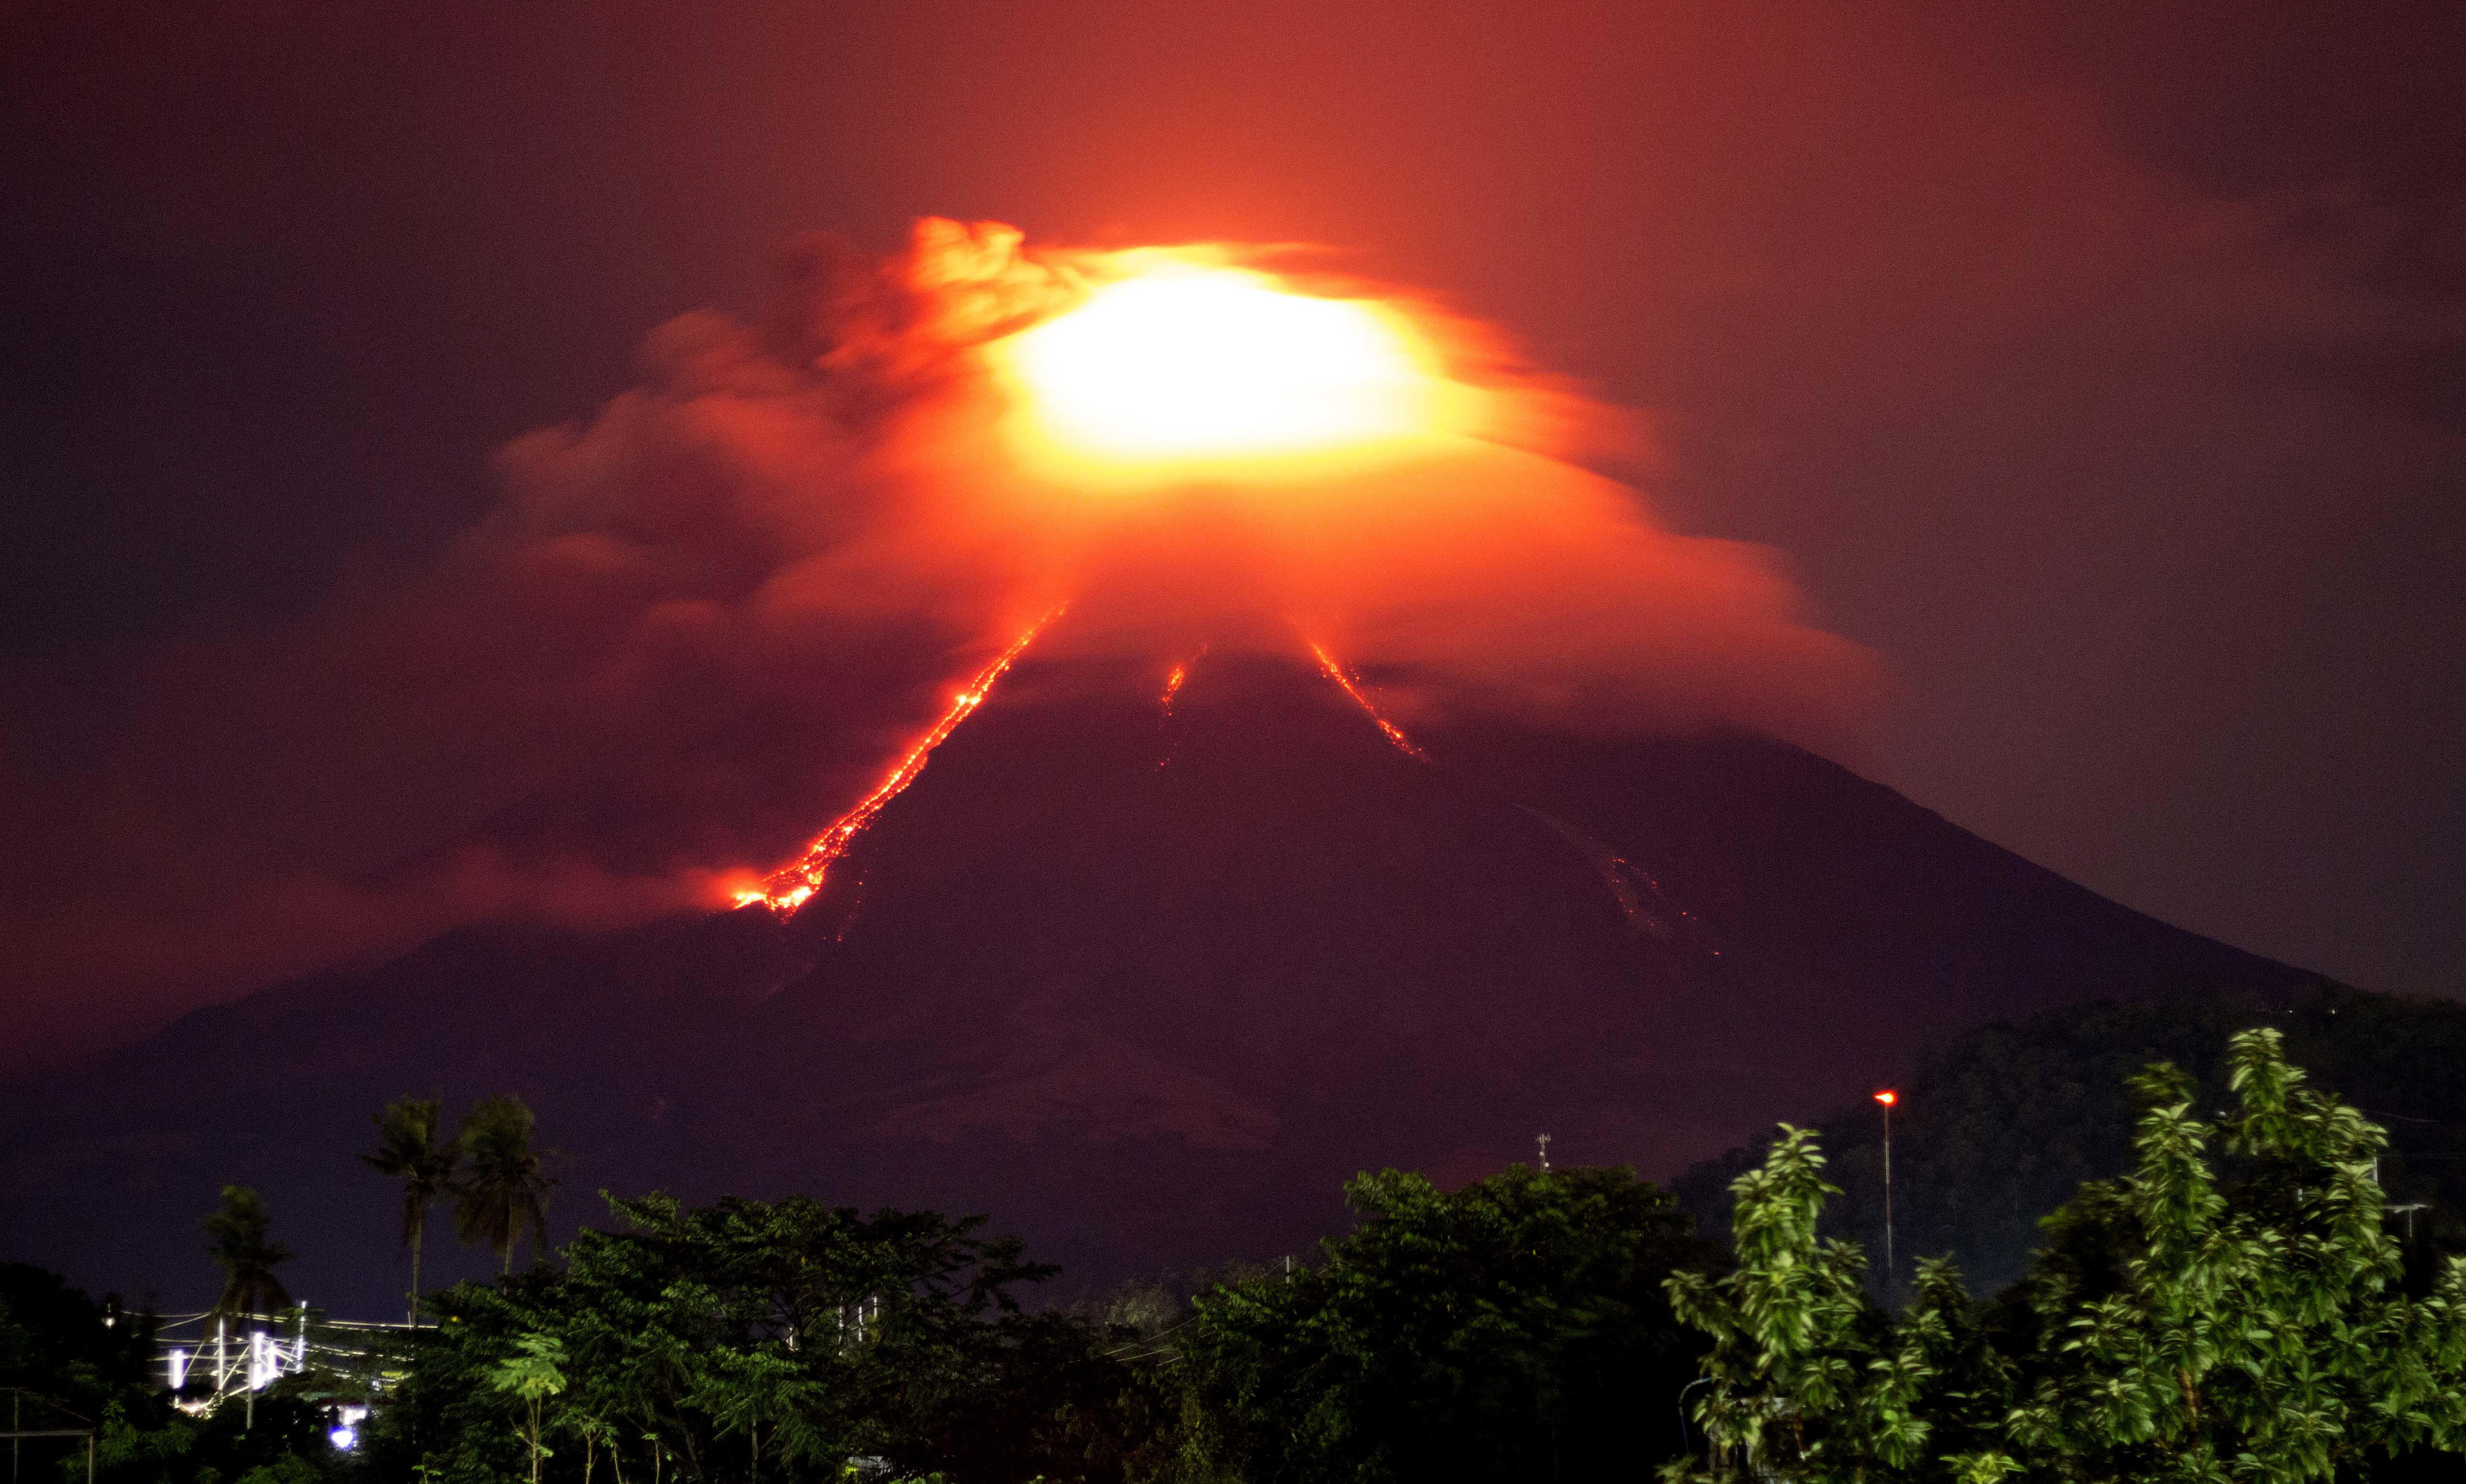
[[1145, 963]]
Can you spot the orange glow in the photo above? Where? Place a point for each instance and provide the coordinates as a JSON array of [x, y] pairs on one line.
[[1887, 1097], [1173, 681], [788, 889], [1395, 734], [1183, 361]]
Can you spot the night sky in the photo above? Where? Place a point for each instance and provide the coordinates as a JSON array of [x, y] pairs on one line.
[[2101, 367]]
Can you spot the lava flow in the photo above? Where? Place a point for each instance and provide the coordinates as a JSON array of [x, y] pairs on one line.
[[1180, 673], [1395, 734], [785, 890]]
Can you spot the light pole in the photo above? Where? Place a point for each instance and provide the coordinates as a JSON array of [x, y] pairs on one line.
[[1887, 1098]]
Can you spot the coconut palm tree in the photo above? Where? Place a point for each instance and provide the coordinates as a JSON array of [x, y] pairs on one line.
[[412, 1148], [246, 1255], [502, 1195]]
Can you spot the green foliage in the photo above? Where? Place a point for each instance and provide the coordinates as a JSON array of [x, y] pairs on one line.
[[1512, 1329], [2008, 1119], [750, 1341], [533, 1373], [2229, 1310]]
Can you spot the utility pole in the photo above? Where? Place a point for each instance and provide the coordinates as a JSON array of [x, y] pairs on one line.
[[1542, 1142], [1887, 1098], [2408, 1211], [18, 1432]]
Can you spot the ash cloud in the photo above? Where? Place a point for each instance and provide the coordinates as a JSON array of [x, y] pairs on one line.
[[695, 626]]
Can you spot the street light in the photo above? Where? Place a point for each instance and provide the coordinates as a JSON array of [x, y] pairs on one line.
[[1887, 1098]]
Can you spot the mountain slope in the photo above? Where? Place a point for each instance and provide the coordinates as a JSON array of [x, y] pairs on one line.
[[1146, 979]]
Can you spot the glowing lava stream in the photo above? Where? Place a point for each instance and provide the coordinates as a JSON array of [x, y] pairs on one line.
[[1180, 676], [786, 890], [1395, 733]]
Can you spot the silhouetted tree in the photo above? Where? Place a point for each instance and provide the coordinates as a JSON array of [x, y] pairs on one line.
[[412, 1148], [247, 1255], [502, 1195], [1512, 1329]]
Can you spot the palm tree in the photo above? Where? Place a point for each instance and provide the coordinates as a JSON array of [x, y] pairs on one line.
[[246, 1255], [411, 1149], [502, 1195]]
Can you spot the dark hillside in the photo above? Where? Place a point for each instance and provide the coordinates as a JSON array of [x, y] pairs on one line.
[[1146, 982], [1997, 1128]]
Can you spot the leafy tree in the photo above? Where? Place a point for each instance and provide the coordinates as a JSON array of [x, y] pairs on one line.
[[241, 1245], [2230, 1309], [532, 1374], [751, 1340], [412, 1148], [502, 1195], [1808, 1377], [2008, 1119], [1510, 1329]]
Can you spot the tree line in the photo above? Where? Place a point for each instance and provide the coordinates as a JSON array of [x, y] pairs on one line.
[[2236, 1306]]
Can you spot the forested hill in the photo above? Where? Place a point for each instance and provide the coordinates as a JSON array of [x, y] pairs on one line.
[[1997, 1129]]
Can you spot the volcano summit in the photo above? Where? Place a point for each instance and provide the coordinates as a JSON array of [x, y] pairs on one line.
[[1394, 790], [1146, 965]]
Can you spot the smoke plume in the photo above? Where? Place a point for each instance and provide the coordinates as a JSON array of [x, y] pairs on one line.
[[694, 626]]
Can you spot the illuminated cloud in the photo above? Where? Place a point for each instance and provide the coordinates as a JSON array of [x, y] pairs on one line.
[[720, 615]]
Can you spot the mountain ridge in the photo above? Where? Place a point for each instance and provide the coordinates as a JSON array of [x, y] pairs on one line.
[[1146, 980]]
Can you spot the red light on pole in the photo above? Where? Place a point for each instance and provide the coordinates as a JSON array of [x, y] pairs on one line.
[[1887, 1097]]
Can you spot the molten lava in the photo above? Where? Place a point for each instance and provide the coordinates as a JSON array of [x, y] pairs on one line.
[[1184, 363], [785, 890], [1394, 733], [1178, 676]]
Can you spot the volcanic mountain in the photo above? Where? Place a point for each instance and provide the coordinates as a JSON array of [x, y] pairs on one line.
[[1145, 966]]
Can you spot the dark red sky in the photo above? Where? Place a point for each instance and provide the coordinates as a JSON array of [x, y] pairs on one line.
[[2101, 366]]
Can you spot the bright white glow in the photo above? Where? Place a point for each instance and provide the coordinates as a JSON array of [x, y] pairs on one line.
[[1202, 361], [179, 1368], [344, 1438]]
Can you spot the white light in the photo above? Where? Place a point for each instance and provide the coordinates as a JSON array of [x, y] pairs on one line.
[[343, 1438], [179, 1368], [1194, 362]]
